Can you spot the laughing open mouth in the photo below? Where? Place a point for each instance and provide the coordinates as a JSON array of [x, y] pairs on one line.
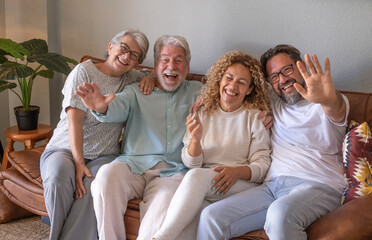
[[230, 93], [287, 84], [171, 75], [122, 62]]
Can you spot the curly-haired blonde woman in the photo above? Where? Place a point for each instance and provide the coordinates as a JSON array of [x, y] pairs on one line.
[[226, 146]]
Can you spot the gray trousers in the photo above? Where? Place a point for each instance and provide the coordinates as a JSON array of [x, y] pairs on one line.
[[70, 218]]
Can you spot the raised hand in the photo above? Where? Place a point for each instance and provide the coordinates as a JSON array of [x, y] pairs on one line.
[[92, 97], [194, 126], [319, 85], [320, 88]]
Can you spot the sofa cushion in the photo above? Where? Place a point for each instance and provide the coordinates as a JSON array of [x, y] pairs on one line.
[[360, 106], [22, 192], [357, 157], [8, 210], [27, 162]]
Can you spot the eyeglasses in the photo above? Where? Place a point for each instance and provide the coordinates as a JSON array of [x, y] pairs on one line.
[[125, 49], [285, 71]]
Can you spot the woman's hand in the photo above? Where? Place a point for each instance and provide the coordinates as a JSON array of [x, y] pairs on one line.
[[228, 176], [80, 172], [194, 126], [146, 85], [195, 129]]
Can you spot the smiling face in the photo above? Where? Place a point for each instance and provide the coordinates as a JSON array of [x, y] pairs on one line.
[[121, 62], [234, 86], [284, 87], [171, 68]]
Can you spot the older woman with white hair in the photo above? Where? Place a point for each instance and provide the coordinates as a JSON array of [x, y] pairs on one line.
[[81, 144]]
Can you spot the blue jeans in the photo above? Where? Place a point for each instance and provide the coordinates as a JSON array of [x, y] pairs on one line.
[[284, 207]]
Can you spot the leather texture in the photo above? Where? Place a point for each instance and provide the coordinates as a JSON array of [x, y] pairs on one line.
[[9, 210], [350, 221], [29, 169]]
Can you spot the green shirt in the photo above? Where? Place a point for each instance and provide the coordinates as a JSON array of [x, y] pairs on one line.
[[156, 124]]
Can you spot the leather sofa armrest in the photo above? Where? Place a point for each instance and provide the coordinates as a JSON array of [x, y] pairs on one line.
[[350, 221]]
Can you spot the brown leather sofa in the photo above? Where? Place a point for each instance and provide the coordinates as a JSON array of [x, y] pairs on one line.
[[22, 185]]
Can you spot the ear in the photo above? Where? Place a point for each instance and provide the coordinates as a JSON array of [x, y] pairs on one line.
[[250, 89], [110, 46]]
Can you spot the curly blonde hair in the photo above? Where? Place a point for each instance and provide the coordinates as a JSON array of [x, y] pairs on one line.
[[210, 93]]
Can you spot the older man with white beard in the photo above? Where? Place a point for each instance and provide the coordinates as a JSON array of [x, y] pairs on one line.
[[150, 166]]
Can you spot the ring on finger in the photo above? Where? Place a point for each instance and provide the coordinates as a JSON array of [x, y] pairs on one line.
[[227, 183]]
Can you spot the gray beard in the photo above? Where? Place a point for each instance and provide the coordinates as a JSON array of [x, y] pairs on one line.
[[295, 98]]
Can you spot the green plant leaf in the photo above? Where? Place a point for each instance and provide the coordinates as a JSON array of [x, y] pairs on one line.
[[12, 70], [70, 60], [15, 49], [46, 73], [3, 53], [3, 59], [36, 46], [4, 85], [52, 61]]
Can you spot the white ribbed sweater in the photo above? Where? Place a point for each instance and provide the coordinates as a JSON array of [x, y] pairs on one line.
[[232, 139]]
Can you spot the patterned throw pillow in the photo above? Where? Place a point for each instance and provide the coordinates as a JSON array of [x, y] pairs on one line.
[[357, 155]]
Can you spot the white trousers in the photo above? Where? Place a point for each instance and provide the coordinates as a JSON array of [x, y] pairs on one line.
[[115, 185], [189, 201]]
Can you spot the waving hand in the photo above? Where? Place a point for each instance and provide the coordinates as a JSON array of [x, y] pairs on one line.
[[92, 97], [320, 88]]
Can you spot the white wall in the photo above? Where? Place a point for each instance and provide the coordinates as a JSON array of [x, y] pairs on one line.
[[21, 21], [25, 20], [338, 29]]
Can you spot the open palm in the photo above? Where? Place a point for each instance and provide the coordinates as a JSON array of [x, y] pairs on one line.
[[92, 97], [319, 84]]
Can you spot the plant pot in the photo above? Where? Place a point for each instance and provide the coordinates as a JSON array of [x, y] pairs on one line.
[[27, 119]]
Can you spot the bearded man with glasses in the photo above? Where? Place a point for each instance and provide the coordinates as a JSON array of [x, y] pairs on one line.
[[305, 180]]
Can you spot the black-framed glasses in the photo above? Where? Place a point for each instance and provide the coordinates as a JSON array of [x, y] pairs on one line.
[[285, 71], [124, 48]]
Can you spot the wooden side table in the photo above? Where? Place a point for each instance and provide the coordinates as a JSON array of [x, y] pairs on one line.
[[29, 138]]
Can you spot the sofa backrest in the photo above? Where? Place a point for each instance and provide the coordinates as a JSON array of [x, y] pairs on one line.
[[190, 76], [360, 106], [360, 103]]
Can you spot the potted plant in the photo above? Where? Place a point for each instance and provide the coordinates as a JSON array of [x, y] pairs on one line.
[[23, 62]]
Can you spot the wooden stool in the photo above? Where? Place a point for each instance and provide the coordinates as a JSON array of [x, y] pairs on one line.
[[29, 138]]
